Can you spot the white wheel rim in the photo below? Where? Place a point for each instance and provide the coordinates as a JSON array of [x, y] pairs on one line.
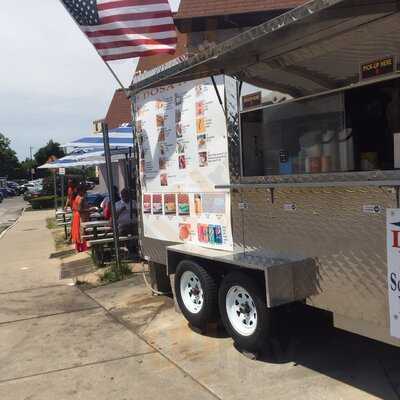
[[241, 310], [191, 292]]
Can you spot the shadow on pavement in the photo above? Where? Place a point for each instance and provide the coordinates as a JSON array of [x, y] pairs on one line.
[[306, 337]]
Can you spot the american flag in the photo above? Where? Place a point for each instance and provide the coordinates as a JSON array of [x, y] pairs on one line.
[[125, 28]]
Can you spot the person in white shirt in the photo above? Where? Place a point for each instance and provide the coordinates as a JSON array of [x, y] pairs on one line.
[[127, 224]]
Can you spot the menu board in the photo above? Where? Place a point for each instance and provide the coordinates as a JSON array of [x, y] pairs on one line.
[[183, 150]]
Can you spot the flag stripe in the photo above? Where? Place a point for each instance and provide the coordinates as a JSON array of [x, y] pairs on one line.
[[133, 36], [136, 17], [136, 10], [129, 49], [143, 29], [124, 43], [135, 54], [129, 24], [128, 3]]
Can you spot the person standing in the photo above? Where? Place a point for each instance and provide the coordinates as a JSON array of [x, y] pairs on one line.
[[106, 204], [71, 193], [80, 213], [127, 222]]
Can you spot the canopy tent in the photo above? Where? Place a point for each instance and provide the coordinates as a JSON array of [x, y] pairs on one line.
[[85, 158], [313, 48], [119, 137]]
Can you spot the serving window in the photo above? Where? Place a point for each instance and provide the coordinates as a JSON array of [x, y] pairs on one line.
[[354, 130]]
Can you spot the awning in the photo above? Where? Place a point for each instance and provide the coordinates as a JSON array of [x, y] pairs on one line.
[[86, 158], [316, 47], [119, 137]]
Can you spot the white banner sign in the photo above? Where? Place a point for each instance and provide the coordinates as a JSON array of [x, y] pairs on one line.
[[393, 259], [183, 154]]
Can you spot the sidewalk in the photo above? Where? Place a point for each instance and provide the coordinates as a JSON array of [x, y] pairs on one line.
[[25, 255], [58, 343], [119, 342]]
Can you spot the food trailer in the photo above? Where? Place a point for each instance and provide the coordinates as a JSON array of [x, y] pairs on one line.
[[294, 201]]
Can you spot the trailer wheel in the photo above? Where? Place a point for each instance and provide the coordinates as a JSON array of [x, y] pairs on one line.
[[244, 312], [196, 293]]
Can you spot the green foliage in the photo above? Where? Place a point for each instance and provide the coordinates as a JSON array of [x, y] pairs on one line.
[[115, 275], [9, 164], [51, 223], [13, 169], [45, 152], [25, 168], [44, 202]]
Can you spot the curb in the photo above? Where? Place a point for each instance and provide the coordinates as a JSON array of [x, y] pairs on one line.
[[2, 234]]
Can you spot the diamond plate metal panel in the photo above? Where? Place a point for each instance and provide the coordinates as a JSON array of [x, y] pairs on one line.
[[155, 250], [331, 226]]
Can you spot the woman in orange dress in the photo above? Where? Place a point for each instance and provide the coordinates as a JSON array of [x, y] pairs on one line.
[[80, 213]]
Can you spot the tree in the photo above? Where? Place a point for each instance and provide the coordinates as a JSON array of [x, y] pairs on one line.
[[51, 149], [9, 164], [26, 166]]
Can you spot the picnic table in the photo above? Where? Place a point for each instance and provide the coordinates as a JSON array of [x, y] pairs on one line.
[[99, 235], [64, 218]]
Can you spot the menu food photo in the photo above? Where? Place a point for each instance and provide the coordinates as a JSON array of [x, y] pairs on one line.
[[182, 139]]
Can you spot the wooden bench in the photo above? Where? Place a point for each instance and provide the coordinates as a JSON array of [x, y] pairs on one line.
[[111, 239], [100, 246], [64, 219], [99, 229], [95, 237]]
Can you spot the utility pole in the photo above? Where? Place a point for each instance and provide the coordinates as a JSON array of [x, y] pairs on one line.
[[30, 152]]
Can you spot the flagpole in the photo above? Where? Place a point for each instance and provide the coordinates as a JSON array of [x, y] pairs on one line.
[[116, 78]]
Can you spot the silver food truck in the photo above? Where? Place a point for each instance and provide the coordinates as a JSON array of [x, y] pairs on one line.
[[253, 209]]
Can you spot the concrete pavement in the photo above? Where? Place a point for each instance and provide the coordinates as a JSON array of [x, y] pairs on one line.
[[119, 342], [58, 343]]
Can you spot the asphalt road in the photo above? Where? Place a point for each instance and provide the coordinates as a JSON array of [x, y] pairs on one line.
[[10, 210]]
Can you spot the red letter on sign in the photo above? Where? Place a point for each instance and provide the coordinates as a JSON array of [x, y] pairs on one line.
[[396, 239]]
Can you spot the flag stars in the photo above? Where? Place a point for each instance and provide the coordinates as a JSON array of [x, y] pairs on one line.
[[83, 11]]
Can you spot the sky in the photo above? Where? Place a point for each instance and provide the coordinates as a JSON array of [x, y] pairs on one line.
[[52, 82]]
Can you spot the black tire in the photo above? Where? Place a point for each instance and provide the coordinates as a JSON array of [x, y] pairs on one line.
[[209, 308], [258, 339]]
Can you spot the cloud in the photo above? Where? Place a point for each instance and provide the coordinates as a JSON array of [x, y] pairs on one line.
[[52, 82]]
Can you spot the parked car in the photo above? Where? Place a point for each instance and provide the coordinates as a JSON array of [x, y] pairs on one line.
[[95, 199], [11, 192], [4, 192], [33, 187], [14, 186], [90, 185]]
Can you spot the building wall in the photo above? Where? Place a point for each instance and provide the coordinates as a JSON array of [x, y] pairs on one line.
[[206, 8], [119, 111]]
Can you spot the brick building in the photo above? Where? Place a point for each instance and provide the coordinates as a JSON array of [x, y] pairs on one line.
[[211, 21], [119, 110]]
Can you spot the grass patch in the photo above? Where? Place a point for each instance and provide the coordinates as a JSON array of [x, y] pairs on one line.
[[58, 234], [113, 275], [51, 223]]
